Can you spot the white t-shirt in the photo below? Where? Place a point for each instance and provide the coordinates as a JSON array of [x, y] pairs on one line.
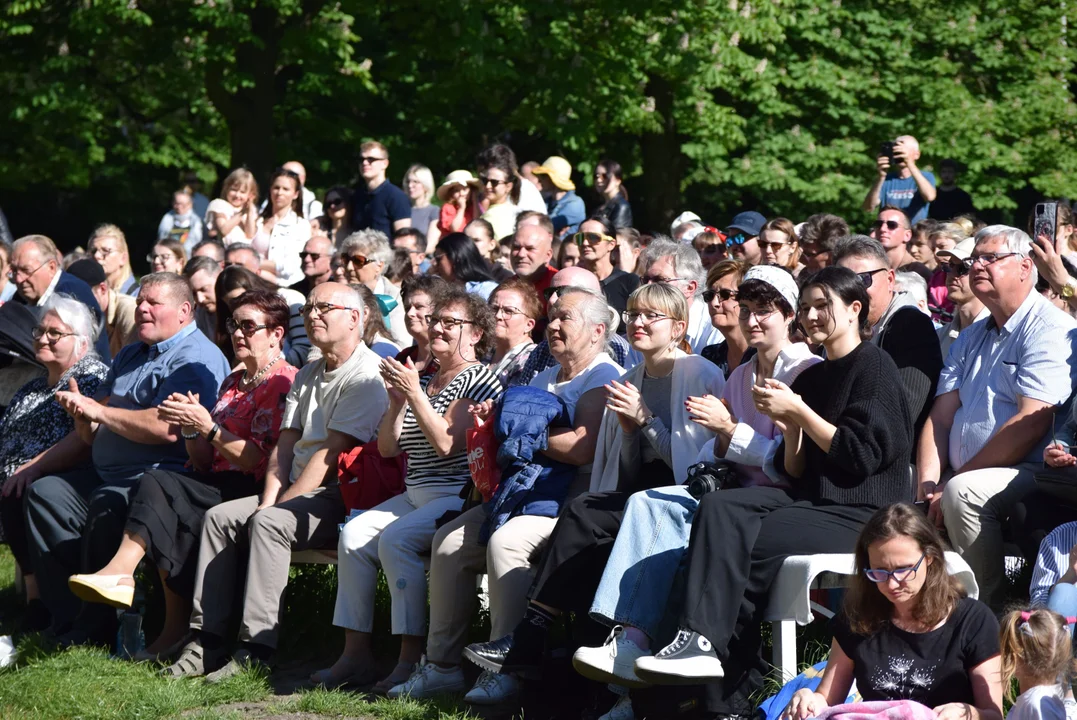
[[602, 370], [350, 399], [1043, 702], [225, 209], [286, 241]]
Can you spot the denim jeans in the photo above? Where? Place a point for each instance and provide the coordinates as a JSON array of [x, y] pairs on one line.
[[645, 558], [1063, 600]]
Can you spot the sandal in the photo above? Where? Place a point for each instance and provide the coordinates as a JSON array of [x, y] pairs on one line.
[[192, 662]]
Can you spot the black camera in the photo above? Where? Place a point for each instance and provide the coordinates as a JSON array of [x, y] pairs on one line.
[[706, 477], [887, 149]]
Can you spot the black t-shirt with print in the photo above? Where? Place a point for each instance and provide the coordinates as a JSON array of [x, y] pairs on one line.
[[931, 668]]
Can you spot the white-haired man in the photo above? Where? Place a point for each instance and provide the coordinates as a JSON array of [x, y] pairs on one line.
[[905, 186]]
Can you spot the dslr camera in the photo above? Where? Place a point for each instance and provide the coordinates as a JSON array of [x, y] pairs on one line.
[[706, 477], [887, 149]]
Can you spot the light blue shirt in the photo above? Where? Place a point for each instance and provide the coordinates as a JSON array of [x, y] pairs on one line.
[[141, 377], [1031, 357], [567, 213]]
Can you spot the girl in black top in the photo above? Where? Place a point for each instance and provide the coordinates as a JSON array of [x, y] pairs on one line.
[[907, 632], [848, 436]]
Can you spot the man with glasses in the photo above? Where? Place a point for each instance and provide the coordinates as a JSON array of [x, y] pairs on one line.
[[35, 272], [335, 403], [899, 182], [76, 503], [893, 231], [376, 203], [679, 265], [1004, 377], [596, 240], [742, 237], [897, 324], [316, 261], [967, 307]]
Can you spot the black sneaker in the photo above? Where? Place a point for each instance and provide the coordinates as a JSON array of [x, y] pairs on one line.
[[503, 656], [688, 660]]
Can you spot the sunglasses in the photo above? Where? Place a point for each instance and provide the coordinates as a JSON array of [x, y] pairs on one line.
[[867, 278], [313, 256], [335, 203], [550, 292], [890, 224], [738, 239], [370, 159], [773, 247], [591, 238], [900, 574], [247, 327], [958, 269], [724, 293], [483, 180], [357, 260], [811, 253]]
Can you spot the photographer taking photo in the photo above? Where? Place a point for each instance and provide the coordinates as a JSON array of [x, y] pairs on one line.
[[900, 182]]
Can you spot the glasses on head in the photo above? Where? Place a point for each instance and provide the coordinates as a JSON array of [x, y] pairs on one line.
[[759, 315], [890, 224], [286, 172], [247, 327], [51, 335], [14, 272], [738, 239], [445, 321], [725, 294], [649, 316], [591, 238], [867, 278], [986, 259], [322, 308], [648, 279], [877, 575], [506, 310], [159, 257], [485, 180], [357, 260], [958, 269], [313, 256], [370, 159]]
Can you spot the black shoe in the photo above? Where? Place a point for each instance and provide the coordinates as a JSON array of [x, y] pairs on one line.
[[37, 618], [688, 660], [502, 656], [77, 637]]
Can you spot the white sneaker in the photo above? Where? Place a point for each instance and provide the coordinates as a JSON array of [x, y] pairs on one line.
[[429, 681], [613, 662], [621, 710], [493, 689]]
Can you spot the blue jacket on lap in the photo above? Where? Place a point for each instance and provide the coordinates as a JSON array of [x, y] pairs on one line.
[[531, 483]]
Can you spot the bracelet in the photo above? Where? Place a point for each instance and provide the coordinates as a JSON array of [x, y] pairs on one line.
[[192, 436], [213, 432]]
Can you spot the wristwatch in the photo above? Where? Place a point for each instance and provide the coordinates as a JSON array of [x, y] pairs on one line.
[[1069, 289]]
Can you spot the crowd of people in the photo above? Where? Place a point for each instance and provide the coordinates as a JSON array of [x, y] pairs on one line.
[[674, 416]]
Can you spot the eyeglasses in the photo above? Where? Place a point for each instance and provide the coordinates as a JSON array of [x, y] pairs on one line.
[[161, 257], [370, 159], [103, 252], [506, 310], [648, 279], [738, 239], [14, 272], [987, 259], [52, 335], [322, 308], [484, 180], [760, 317], [649, 316], [900, 574], [313, 256], [591, 238], [867, 278], [890, 224], [445, 321], [958, 269], [247, 327], [724, 293], [357, 260]]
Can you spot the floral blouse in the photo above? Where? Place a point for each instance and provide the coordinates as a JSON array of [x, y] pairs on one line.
[[254, 415], [34, 421]]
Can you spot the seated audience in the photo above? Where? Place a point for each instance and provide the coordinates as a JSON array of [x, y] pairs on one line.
[[34, 421], [458, 261], [335, 402], [201, 273], [232, 282], [532, 251], [742, 237], [419, 294], [108, 246], [482, 234], [991, 421], [597, 240], [212, 249], [580, 323], [721, 296], [967, 308], [676, 264], [315, 263], [117, 309], [229, 450], [516, 307], [80, 487], [427, 419], [907, 631], [413, 243], [847, 438], [568, 255], [376, 336], [337, 204], [365, 255], [167, 256]]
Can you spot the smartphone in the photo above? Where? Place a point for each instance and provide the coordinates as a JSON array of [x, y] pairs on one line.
[[887, 149], [1043, 224], [921, 505]]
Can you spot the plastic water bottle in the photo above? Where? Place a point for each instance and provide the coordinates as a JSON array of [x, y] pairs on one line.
[[130, 639]]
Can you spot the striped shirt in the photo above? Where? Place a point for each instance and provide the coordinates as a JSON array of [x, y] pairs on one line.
[[1052, 562], [425, 468]]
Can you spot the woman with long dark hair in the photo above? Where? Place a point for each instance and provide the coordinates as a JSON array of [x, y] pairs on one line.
[[500, 183], [457, 259], [282, 229], [615, 209]]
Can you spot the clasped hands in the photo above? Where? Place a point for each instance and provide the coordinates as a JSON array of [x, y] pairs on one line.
[[185, 411]]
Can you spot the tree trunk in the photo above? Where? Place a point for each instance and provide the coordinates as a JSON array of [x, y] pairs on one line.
[[663, 163]]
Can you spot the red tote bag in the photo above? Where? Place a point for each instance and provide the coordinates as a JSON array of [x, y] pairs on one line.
[[368, 479], [482, 448]]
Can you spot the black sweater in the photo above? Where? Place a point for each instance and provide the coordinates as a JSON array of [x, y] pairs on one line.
[[868, 464]]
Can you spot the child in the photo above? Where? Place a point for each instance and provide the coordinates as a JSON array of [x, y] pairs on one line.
[[459, 195], [233, 217], [1036, 649]]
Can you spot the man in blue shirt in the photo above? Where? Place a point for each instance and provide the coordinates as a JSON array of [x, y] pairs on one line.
[[77, 503], [563, 205], [991, 420], [904, 186], [377, 203]]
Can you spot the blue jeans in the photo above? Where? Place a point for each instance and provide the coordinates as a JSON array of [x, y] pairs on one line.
[[646, 555], [1063, 600]]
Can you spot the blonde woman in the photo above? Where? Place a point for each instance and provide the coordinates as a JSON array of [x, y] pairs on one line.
[[108, 247], [419, 186]]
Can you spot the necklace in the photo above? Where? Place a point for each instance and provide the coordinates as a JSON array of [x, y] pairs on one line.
[[251, 382]]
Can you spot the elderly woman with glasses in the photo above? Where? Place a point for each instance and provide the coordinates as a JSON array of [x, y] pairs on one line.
[[427, 419], [723, 280], [517, 307], [907, 630], [34, 421], [229, 448], [364, 256]]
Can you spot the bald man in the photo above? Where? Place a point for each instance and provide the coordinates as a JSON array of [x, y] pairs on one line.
[[540, 357], [905, 186]]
